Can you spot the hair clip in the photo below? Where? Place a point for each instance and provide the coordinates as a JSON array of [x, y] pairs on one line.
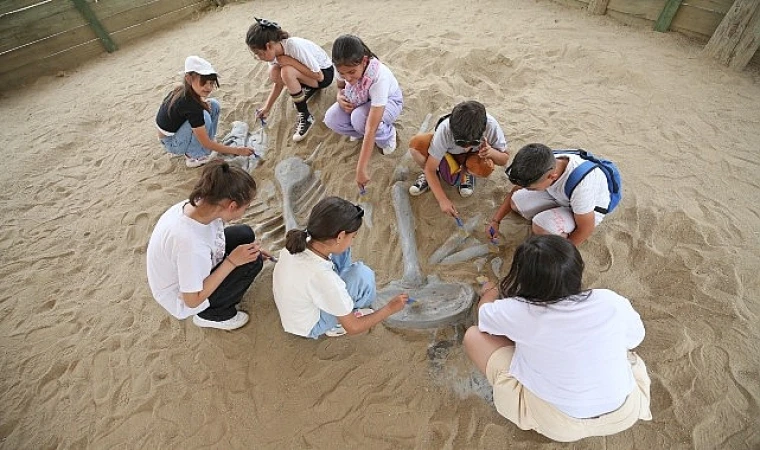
[[264, 23]]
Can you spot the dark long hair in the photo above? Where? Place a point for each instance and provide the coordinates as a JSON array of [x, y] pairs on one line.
[[262, 32], [545, 269], [327, 219], [349, 50], [220, 181]]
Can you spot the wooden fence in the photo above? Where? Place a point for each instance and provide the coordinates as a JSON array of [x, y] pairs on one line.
[[44, 37], [732, 27]]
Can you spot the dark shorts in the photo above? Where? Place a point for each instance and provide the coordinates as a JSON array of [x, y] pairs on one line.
[[329, 73]]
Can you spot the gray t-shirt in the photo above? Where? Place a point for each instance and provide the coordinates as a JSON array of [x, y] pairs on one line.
[[443, 139]]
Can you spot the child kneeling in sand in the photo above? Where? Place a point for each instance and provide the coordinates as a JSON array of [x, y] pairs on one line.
[[559, 358], [540, 176], [295, 63], [466, 143], [187, 119], [317, 289], [369, 101], [196, 266]]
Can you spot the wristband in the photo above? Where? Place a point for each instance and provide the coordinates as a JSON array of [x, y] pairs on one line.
[[233, 264]]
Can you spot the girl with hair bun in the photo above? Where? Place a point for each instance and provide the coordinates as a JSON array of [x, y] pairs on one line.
[[317, 289], [196, 266]]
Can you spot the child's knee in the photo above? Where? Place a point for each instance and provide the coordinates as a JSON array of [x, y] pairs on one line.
[[275, 75], [552, 222], [421, 143], [471, 336]]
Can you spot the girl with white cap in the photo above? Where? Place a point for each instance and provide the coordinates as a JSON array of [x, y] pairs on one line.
[[187, 119]]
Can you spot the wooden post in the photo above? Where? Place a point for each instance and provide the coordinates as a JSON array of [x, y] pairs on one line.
[[597, 6], [666, 15], [737, 38], [92, 19]]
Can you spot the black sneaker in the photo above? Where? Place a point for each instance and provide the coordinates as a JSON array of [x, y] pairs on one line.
[[309, 92], [420, 186], [305, 121]]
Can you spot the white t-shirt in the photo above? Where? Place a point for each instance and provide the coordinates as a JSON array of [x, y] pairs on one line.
[[384, 86], [443, 139], [591, 192], [303, 284], [181, 254], [572, 354], [306, 52]]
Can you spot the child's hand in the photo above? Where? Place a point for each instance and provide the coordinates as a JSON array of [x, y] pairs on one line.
[[362, 179], [262, 113], [448, 208], [243, 151], [485, 149], [398, 302], [245, 253], [343, 102]]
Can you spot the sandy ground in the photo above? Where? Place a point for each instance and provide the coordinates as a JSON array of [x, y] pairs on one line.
[[89, 360]]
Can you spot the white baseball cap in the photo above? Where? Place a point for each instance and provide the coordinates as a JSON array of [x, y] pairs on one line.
[[198, 65]]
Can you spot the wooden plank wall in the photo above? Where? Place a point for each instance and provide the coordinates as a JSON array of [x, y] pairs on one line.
[[695, 18], [43, 37]]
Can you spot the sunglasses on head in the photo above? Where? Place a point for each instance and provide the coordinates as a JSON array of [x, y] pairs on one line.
[[468, 142], [524, 182]]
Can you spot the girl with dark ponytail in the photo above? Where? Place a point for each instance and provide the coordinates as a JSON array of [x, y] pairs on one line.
[[196, 266], [317, 289]]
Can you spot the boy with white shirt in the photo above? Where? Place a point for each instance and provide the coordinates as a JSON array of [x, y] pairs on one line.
[[540, 176]]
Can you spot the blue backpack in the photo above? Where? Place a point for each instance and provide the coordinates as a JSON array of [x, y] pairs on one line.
[[614, 183]]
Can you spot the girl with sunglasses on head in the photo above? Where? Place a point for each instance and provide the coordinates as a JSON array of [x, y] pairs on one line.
[[559, 358], [317, 289], [466, 143], [187, 119], [196, 266], [297, 64], [369, 101]]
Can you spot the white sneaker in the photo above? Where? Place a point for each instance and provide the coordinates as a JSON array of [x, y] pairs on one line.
[[236, 322], [197, 162], [352, 139], [391, 146], [336, 331]]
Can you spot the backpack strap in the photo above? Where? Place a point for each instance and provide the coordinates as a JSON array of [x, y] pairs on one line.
[[443, 117], [578, 174]]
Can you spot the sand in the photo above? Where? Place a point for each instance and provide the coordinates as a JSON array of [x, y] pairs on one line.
[[89, 360]]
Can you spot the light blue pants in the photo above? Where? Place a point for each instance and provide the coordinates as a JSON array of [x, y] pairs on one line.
[[360, 284], [354, 123], [184, 142]]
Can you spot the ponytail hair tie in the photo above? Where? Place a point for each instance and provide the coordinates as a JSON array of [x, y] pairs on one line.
[[264, 23]]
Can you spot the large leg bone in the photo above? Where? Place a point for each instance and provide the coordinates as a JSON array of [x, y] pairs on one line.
[[435, 303]]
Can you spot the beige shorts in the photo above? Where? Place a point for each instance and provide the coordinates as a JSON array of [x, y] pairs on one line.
[[529, 412]]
